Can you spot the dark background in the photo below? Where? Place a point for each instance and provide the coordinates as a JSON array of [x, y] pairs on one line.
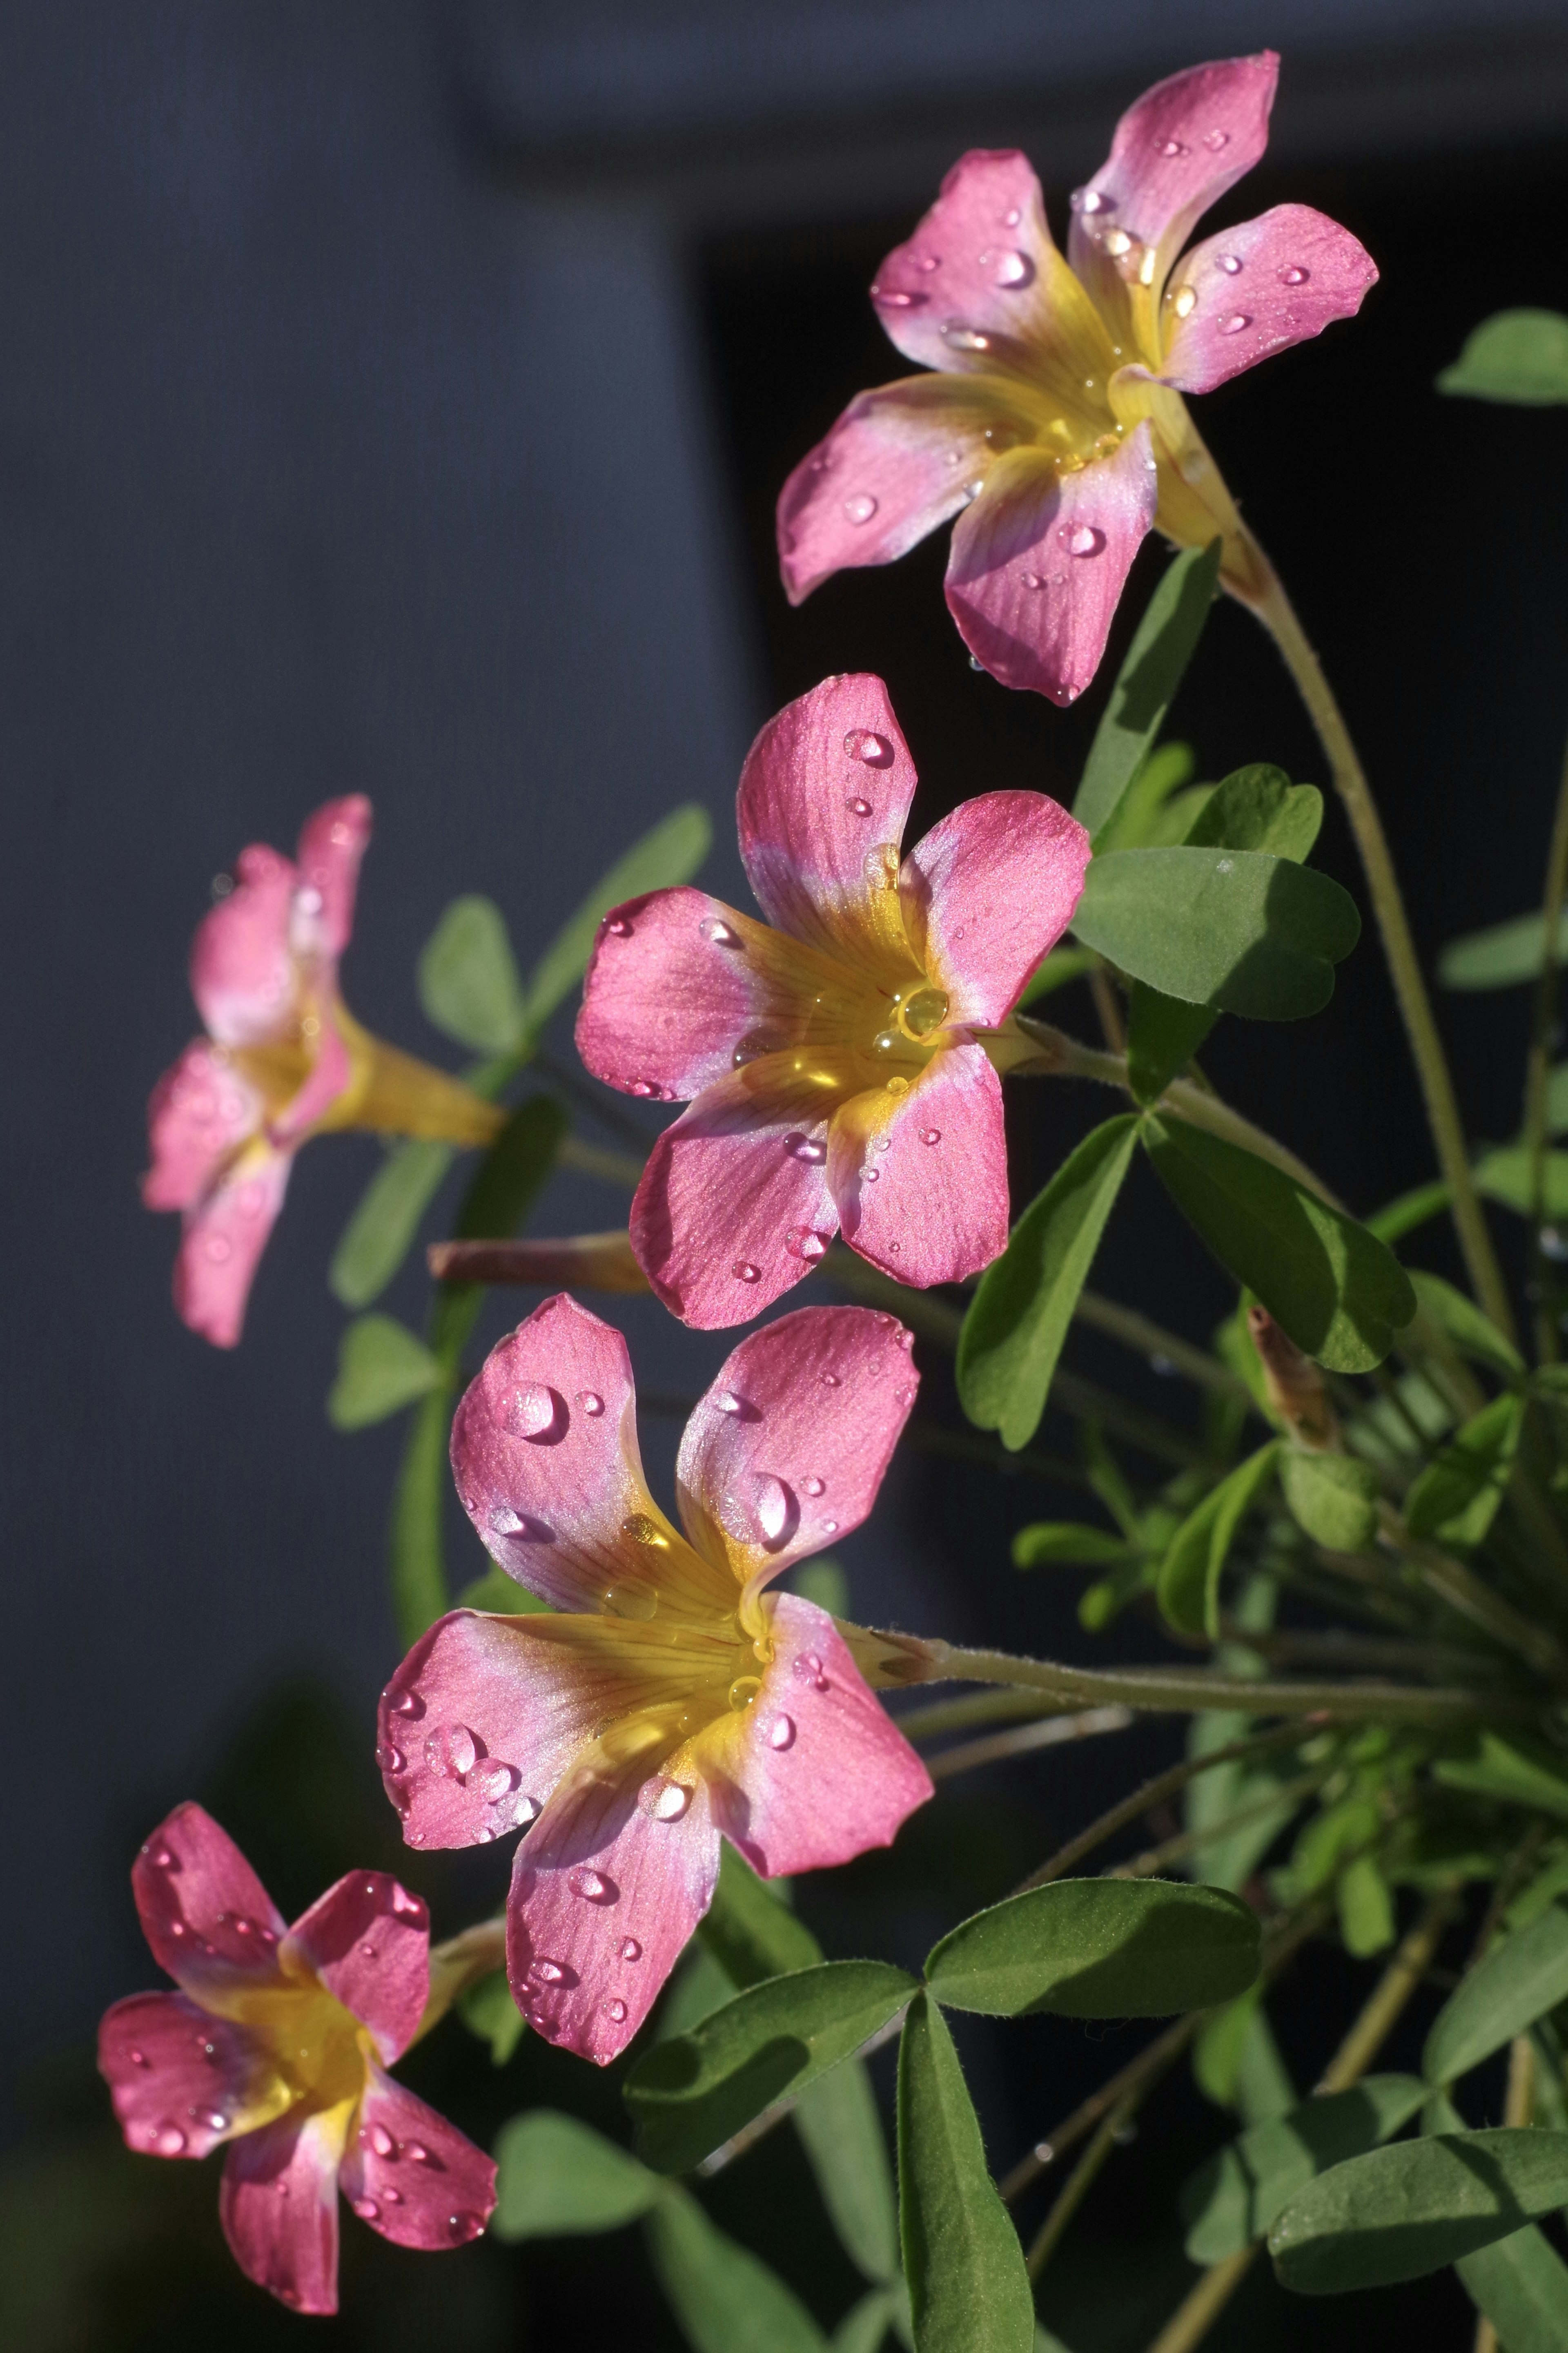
[[395, 399]]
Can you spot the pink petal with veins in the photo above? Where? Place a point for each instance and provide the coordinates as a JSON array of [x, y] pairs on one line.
[[733, 1207], [990, 889], [242, 972], [411, 2175], [331, 844], [279, 2206], [1039, 563], [222, 1243], [899, 463], [787, 1449], [329, 1076], [606, 1889], [368, 1940], [804, 840], [920, 1183], [1258, 289], [976, 269], [201, 1112], [178, 2075], [207, 1917], [677, 980], [816, 1772]]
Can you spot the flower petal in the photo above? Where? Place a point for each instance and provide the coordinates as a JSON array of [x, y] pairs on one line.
[[921, 1182], [183, 2080], [242, 972], [605, 1894], [330, 1075], [223, 1242], [899, 463], [825, 787], [788, 1448], [678, 979], [411, 2175], [544, 1452], [331, 844], [815, 1772], [733, 1207], [278, 2205], [368, 1940], [1176, 150], [1258, 289], [201, 1112], [207, 1917], [1040, 559], [987, 893], [980, 284]]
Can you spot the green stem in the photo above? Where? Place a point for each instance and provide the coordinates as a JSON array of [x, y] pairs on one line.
[[1156, 1793], [1274, 609], [1022, 1740], [1538, 1071]]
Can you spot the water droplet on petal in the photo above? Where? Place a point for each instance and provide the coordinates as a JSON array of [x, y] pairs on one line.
[[491, 1777], [1081, 538], [931, 1136], [744, 1271], [897, 1086], [464, 2226], [861, 507], [547, 1972], [1235, 323], [168, 2140], [408, 1704], [618, 925], [783, 1733], [1229, 262], [774, 1507], [591, 1403], [806, 1242], [218, 1249], [720, 933], [644, 1529], [1214, 140], [1009, 269], [504, 1521], [616, 2011], [807, 1148], [631, 1601], [830, 1528], [647, 1088], [1185, 300], [894, 299], [1174, 147], [830, 1380], [1091, 200], [726, 1401], [590, 1885], [1116, 242], [138, 2058], [664, 1800], [1294, 275], [451, 1750], [925, 262], [1032, 579], [807, 1670], [744, 1692], [417, 2152], [213, 2120], [368, 1952], [381, 2140], [855, 806], [531, 1411], [865, 744], [630, 1950]]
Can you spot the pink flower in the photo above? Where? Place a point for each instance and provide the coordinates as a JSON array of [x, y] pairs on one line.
[[276, 2045], [843, 1066], [674, 1701], [283, 1059], [1056, 428]]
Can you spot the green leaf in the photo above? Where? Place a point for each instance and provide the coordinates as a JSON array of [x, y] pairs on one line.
[[555, 2176], [1241, 2192], [1150, 672], [866, 2325], [467, 978], [1518, 1770], [1236, 929], [1399, 2213], [377, 1238], [968, 2286], [1333, 1497], [1502, 955], [381, 1369], [1340, 1292], [724, 2298], [1504, 1176], [1518, 1982], [1237, 2062], [1456, 1499], [1099, 1948], [488, 2010], [690, 2095], [749, 1932], [824, 1581], [1520, 357], [1557, 1100], [671, 853], [513, 1171], [1402, 1217], [1259, 808], [1188, 1585], [837, 2120], [1521, 2286], [1159, 805], [1162, 1036], [1019, 1319], [1066, 1544], [1365, 1908], [1461, 1320]]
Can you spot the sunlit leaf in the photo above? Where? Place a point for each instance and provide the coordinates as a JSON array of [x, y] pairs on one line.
[[1240, 2192], [1236, 929], [1399, 2213], [1501, 957], [968, 2286], [1163, 1035], [669, 854], [1151, 671], [556, 2176], [1518, 1982], [1188, 1584], [1159, 805], [725, 2298], [1521, 2286], [468, 984], [837, 2119], [382, 1367], [1521, 356], [1259, 807], [1099, 1948], [1333, 1497]]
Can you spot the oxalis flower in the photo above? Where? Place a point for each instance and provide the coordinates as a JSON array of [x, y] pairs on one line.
[[283, 1059], [843, 1066], [674, 1701], [1056, 428], [276, 2045]]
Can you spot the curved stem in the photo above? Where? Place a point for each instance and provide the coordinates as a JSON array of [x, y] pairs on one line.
[[1274, 609], [1539, 1067]]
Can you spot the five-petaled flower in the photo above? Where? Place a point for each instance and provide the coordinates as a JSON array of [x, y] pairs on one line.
[[843, 1065], [275, 2045], [672, 1700], [283, 1059], [1056, 422]]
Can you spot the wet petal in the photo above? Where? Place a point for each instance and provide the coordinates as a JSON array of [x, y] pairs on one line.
[[207, 1917], [1258, 289], [922, 1183], [222, 1244], [279, 2206], [733, 1207], [987, 893], [331, 845], [201, 1112], [825, 789], [368, 1940], [183, 2080], [242, 970], [1039, 560], [815, 1772], [786, 1451], [411, 2175]]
